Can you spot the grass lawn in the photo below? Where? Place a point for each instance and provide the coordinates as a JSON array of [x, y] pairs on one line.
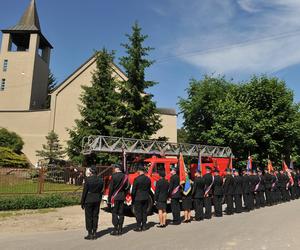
[[4, 215], [23, 186]]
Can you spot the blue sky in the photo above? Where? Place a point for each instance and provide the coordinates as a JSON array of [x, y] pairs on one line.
[[236, 38]]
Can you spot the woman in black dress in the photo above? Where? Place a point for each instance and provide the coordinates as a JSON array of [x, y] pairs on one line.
[[161, 197], [187, 204]]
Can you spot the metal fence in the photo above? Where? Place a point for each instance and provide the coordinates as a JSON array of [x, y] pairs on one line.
[[46, 179]]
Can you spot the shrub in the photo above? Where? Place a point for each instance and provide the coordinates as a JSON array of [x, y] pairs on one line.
[[11, 140], [38, 201], [9, 158]]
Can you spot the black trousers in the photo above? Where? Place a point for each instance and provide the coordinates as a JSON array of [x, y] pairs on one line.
[[293, 192], [207, 205], [118, 214], [269, 197], [198, 205], [218, 205], [140, 208], [229, 203], [92, 216], [251, 201], [246, 198], [238, 203], [285, 196], [259, 199], [175, 207]]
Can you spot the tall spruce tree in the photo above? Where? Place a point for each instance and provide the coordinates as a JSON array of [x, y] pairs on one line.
[[139, 113], [100, 106]]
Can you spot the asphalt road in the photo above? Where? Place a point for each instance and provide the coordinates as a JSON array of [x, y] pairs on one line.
[[276, 227]]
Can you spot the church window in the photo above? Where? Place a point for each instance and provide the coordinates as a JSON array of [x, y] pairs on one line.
[[2, 86], [5, 65]]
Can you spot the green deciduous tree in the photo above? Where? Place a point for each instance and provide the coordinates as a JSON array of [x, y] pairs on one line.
[[100, 109], [11, 140], [258, 116], [53, 150], [139, 114]]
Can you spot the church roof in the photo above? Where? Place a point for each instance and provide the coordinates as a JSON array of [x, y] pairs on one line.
[[29, 23]]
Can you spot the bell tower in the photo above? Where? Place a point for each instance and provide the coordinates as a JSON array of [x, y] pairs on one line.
[[24, 64]]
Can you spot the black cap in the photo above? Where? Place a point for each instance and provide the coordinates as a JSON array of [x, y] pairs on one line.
[[117, 165], [208, 168], [93, 170], [162, 174], [217, 171], [141, 167]]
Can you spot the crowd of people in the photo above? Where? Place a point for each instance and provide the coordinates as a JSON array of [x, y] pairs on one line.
[[241, 192]]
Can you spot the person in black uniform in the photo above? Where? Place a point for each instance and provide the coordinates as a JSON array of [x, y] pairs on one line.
[[287, 184], [255, 182], [187, 203], [293, 188], [275, 188], [175, 195], [161, 197], [228, 191], [198, 195], [238, 191], [261, 189], [283, 183], [297, 183], [268, 187], [209, 181], [118, 188], [246, 190], [140, 195], [218, 193], [90, 202]]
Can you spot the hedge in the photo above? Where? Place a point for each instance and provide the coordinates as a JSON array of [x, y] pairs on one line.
[[8, 158], [38, 201]]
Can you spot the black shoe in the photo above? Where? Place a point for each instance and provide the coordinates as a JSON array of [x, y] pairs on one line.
[[144, 228], [120, 230], [175, 223], [89, 237], [138, 229], [160, 226], [114, 232]]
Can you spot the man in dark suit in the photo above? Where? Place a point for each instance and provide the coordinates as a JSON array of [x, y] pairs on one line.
[[198, 195], [246, 190], [161, 197], [238, 191], [175, 195], [268, 187], [140, 195], [218, 193], [90, 202], [261, 188], [118, 188], [208, 180], [228, 191]]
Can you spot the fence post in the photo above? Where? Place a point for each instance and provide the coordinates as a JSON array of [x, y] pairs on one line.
[[41, 180]]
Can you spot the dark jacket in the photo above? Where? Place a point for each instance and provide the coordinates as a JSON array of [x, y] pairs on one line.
[[162, 190], [174, 182], [208, 181], [254, 179], [261, 186], [117, 180], [228, 185], [268, 181], [92, 190], [246, 184], [282, 181], [238, 184], [198, 188], [218, 185], [141, 188]]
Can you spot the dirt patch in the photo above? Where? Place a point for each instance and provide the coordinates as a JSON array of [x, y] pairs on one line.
[[67, 218]]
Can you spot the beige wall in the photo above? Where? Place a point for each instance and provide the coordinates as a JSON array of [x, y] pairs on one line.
[[169, 129], [31, 126], [34, 126]]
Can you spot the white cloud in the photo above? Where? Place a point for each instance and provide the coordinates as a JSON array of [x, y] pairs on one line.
[[216, 31]]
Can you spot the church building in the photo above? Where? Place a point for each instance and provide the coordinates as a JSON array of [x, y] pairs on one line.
[[24, 70]]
